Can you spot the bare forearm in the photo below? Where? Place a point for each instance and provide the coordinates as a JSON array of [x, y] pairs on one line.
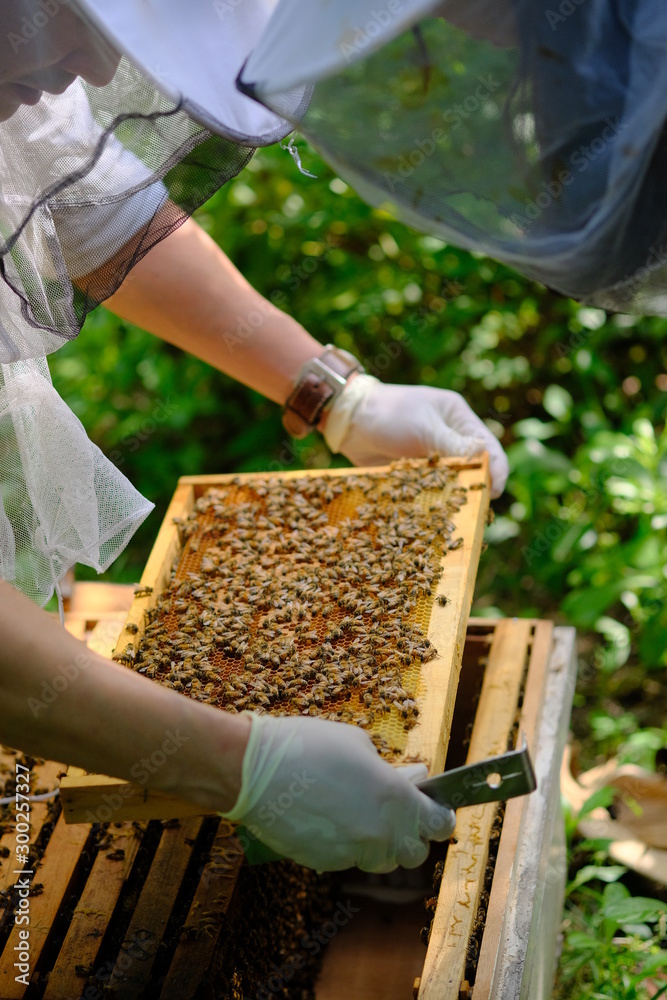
[[62, 702], [187, 291]]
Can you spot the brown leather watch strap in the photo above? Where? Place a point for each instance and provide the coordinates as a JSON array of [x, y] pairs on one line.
[[320, 381]]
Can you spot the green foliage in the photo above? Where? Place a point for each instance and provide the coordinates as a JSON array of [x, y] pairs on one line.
[[612, 941], [577, 397]]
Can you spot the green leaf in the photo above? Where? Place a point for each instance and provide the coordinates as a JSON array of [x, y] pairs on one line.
[[642, 931], [654, 963], [578, 941], [557, 401], [634, 910], [609, 873], [535, 429], [615, 890], [585, 605]]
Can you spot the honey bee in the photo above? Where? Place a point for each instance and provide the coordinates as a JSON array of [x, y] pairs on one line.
[[128, 655]]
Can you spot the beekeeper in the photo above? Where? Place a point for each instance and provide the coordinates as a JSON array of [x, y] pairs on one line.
[[115, 124]]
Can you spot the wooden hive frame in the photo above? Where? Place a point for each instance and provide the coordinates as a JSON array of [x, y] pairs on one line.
[[84, 794], [526, 693], [86, 884]]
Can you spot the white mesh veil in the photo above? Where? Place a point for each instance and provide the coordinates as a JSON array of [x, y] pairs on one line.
[[62, 501], [90, 179], [529, 130]]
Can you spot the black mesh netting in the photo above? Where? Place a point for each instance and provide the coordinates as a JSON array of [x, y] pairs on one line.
[[92, 179], [529, 130]]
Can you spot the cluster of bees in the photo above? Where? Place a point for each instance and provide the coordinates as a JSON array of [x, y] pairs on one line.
[[276, 908], [302, 596]]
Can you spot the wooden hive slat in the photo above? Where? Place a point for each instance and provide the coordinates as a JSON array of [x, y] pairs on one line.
[[527, 947], [84, 801], [467, 856], [43, 775], [485, 640], [206, 919], [134, 964], [59, 863], [81, 792], [92, 915], [496, 914]]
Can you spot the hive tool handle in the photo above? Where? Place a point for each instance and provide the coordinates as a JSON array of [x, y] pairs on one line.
[[492, 780]]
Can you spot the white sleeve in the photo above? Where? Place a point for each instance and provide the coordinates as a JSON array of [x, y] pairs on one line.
[[113, 201]]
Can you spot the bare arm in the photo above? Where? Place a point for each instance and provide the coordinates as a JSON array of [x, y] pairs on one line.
[[106, 718], [188, 292]]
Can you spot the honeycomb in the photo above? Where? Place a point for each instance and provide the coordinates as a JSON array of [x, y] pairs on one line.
[[309, 595]]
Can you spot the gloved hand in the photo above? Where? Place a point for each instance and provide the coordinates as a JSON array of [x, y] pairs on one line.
[[318, 792], [372, 423]]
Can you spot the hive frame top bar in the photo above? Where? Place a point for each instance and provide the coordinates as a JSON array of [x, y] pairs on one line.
[[478, 462]]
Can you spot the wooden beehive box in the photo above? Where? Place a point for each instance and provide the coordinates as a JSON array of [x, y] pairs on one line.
[[440, 616], [154, 903], [145, 910]]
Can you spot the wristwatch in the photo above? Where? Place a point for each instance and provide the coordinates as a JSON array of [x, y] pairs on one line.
[[320, 382]]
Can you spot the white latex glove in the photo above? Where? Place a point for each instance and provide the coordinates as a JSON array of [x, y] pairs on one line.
[[372, 423], [318, 792]]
